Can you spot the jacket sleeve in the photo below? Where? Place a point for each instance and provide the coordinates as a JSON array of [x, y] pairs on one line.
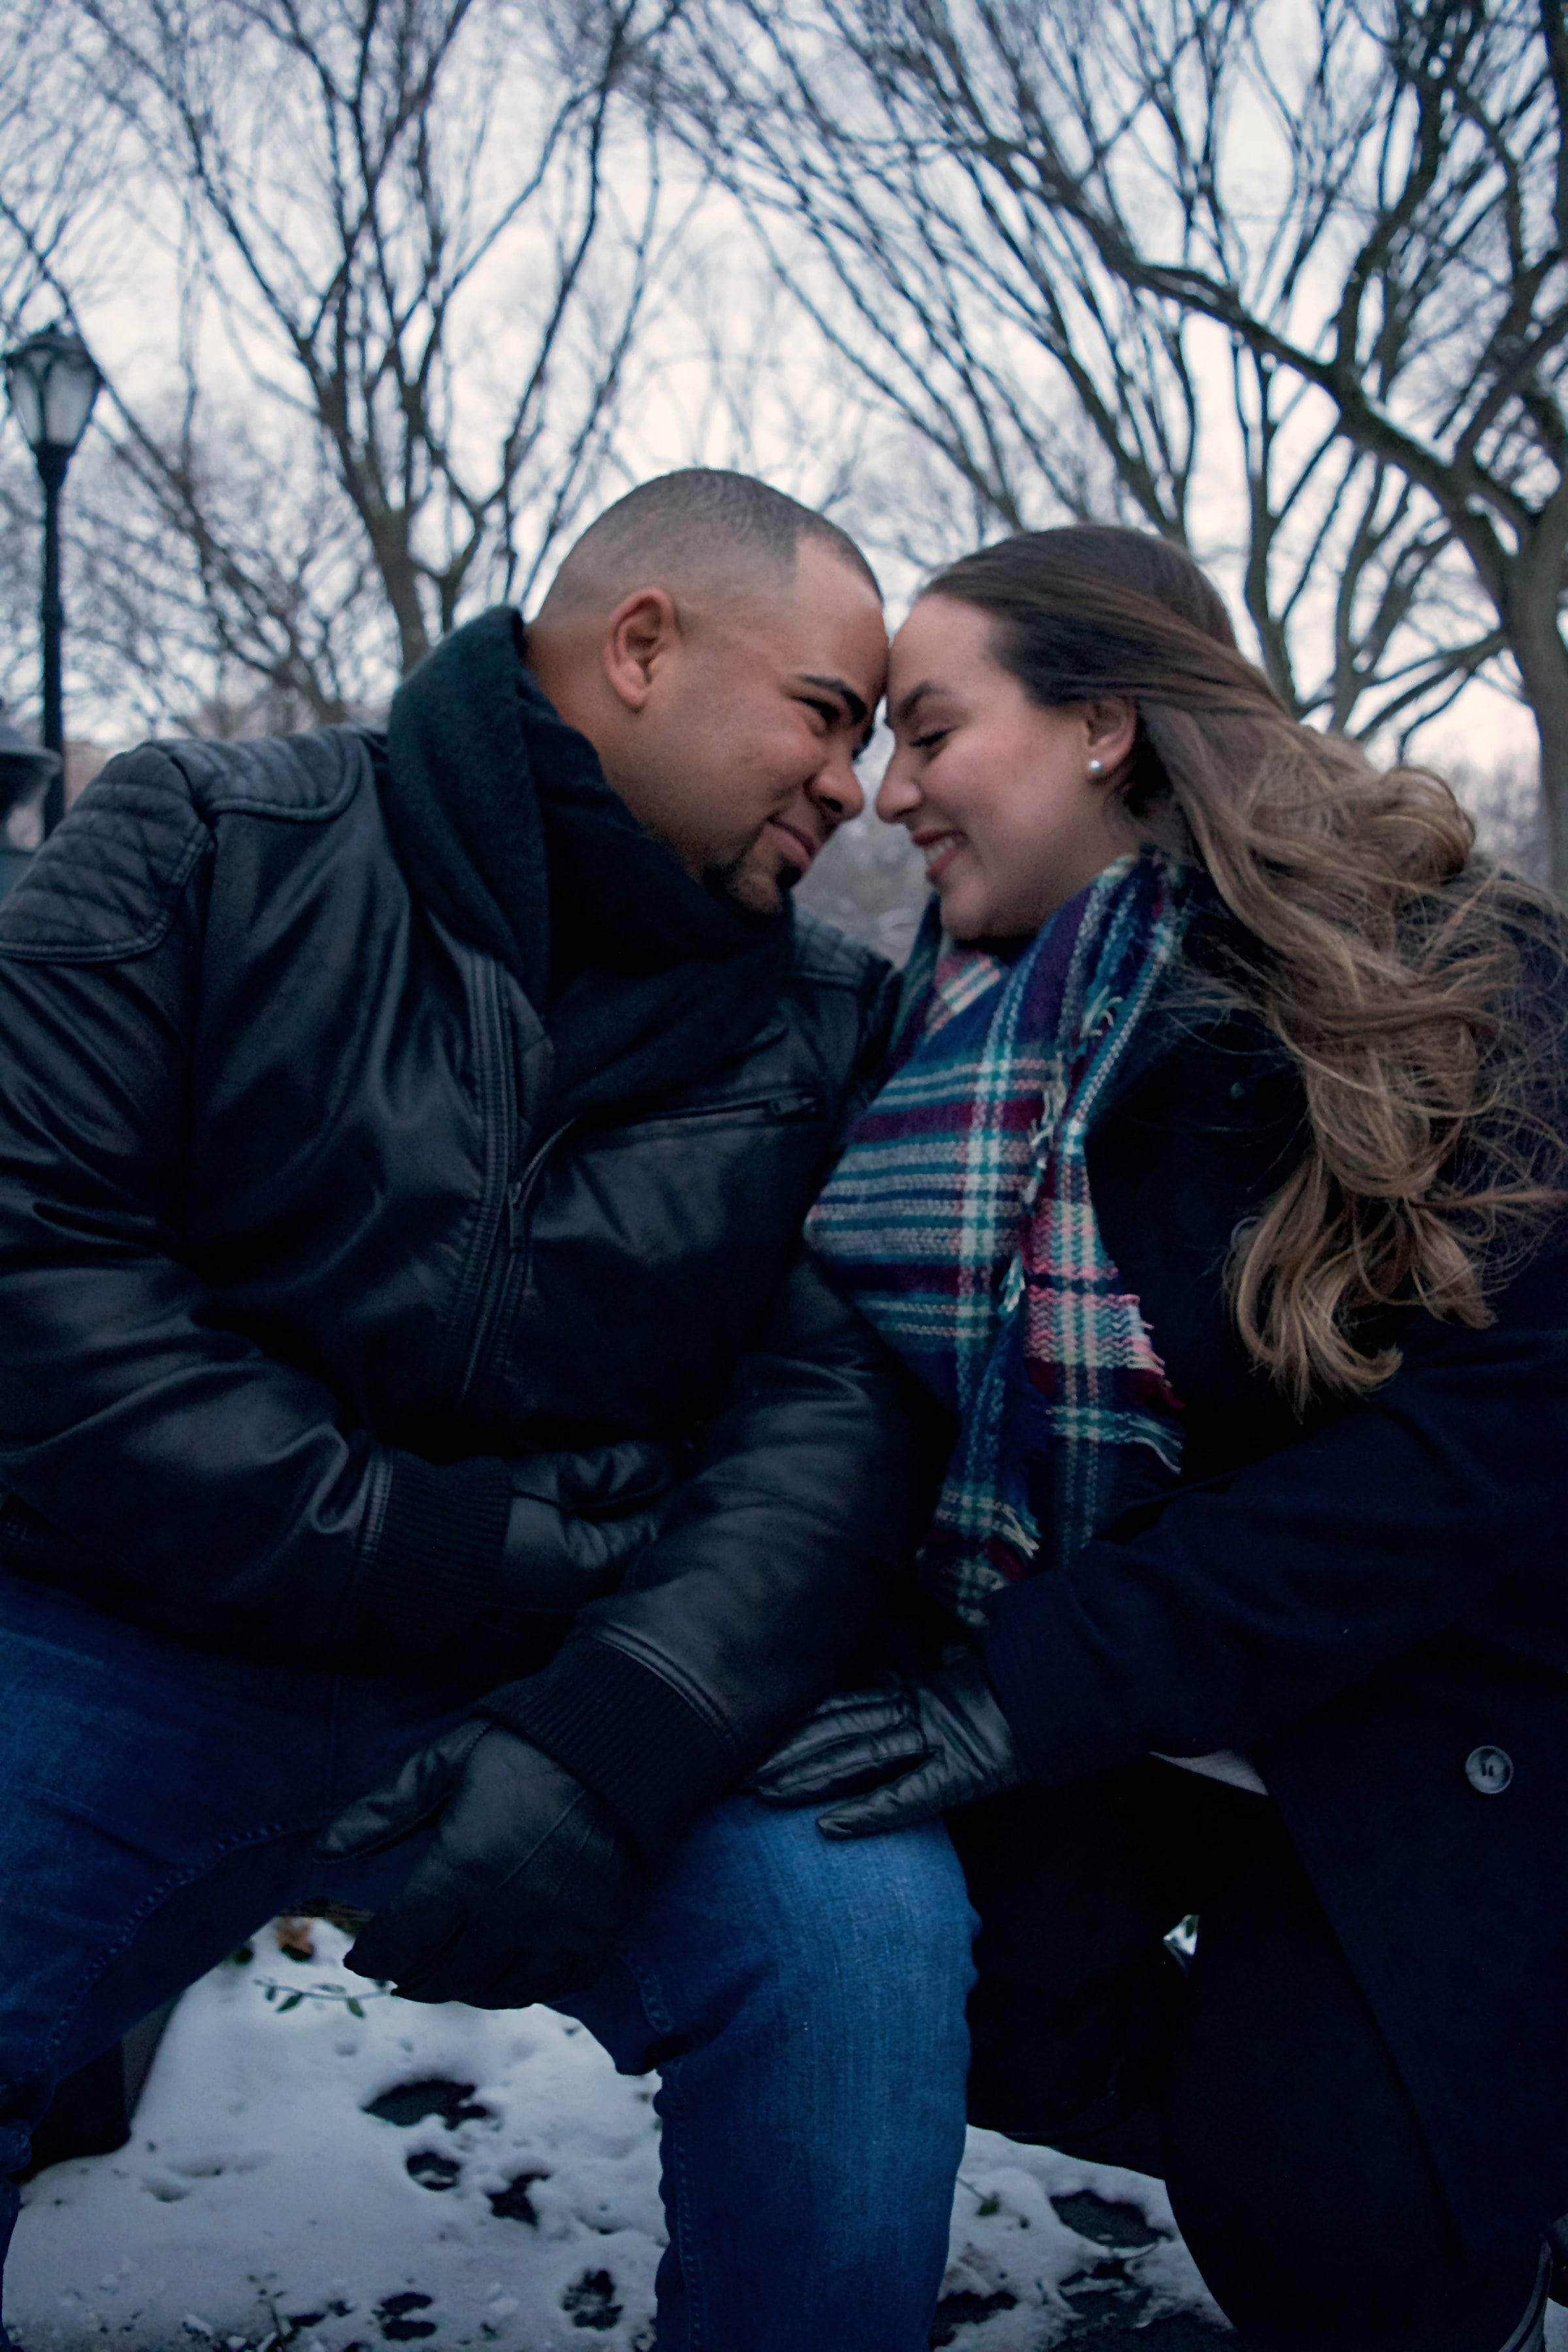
[[815, 1485], [154, 1457], [1221, 1616]]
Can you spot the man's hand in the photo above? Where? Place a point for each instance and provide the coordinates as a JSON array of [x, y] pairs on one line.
[[577, 1522], [918, 1748], [524, 1893]]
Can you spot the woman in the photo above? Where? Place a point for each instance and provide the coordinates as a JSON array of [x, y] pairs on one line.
[[1216, 1191]]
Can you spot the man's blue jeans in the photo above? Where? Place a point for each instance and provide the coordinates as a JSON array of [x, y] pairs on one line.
[[803, 2001]]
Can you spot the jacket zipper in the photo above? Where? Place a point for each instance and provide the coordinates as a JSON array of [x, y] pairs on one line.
[[520, 1195], [494, 1033], [507, 1274]]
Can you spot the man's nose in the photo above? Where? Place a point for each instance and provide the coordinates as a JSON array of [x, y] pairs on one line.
[[835, 790]]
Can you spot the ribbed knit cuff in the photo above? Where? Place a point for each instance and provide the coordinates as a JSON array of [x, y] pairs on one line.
[[434, 1558], [626, 1734]]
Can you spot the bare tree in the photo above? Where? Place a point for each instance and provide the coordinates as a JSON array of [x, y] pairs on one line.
[[1104, 254], [59, 136], [406, 246]]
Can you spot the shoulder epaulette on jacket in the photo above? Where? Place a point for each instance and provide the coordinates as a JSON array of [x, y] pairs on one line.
[[106, 885], [306, 777], [822, 952]]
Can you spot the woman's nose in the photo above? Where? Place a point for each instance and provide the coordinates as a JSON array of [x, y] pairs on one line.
[[897, 795]]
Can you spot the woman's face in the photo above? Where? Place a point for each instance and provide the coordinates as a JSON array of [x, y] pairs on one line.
[[995, 792]]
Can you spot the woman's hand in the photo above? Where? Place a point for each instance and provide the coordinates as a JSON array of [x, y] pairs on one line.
[[915, 1750]]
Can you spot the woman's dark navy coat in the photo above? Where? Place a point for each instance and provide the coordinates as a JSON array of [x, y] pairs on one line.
[[1376, 1610]]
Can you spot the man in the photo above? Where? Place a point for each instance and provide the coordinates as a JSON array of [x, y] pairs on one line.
[[409, 1383]]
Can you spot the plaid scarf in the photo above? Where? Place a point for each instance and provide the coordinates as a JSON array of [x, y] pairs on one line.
[[959, 1220]]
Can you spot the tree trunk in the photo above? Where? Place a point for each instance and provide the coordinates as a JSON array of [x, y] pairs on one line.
[[1553, 731], [402, 585], [388, 533], [1536, 644]]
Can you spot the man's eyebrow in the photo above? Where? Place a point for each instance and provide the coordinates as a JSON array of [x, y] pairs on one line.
[[845, 693]]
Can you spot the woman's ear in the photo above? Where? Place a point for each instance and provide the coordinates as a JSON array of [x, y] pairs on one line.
[[1110, 730], [643, 630]]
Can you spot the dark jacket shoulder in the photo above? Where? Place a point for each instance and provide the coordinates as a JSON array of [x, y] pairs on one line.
[[108, 889], [821, 952]]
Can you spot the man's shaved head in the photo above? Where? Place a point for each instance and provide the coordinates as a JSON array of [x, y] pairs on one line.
[[722, 649], [682, 527]]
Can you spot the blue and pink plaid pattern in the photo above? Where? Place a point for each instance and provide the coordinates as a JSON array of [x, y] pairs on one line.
[[960, 1221]]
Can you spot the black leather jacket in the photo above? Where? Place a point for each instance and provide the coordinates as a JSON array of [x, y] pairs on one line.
[[292, 1255]]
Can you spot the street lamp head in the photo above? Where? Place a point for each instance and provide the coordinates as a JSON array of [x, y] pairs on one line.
[[52, 384]]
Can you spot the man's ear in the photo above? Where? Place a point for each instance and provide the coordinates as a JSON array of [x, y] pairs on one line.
[[1111, 729], [643, 631]]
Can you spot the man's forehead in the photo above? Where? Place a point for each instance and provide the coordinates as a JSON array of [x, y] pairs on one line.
[[835, 628], [820, 622], [849, 656]]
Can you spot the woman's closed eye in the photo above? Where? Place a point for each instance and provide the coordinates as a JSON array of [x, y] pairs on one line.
[[929, 742]]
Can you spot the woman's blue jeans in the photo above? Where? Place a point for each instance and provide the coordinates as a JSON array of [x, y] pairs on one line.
[[803, 2001]]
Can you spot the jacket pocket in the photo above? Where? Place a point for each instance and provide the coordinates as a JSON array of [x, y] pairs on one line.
[[784, 1107]]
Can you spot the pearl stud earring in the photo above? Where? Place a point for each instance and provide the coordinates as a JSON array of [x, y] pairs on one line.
[[1095, 766]]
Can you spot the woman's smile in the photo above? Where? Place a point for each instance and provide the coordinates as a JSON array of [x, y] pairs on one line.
[[939, 850]]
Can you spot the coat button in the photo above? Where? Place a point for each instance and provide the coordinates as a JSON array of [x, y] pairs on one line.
[[1489, 1770]]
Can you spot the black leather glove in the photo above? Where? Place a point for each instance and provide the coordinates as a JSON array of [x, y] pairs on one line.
[[524, 1893], [918, 1748], [577, 1521]]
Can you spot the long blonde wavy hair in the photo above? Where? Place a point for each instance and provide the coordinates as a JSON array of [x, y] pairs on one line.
[[1415, 989]]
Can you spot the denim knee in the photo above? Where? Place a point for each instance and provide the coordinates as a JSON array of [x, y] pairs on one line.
[[804, 2002], [825, 1923]]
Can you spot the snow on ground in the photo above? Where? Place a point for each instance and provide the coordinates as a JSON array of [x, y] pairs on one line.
[[261, 2202]]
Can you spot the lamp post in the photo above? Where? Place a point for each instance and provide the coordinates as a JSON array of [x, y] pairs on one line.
[[51, 383]]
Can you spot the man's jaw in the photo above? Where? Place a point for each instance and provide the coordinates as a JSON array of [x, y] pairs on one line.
[[778, 855], [756, 886]]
